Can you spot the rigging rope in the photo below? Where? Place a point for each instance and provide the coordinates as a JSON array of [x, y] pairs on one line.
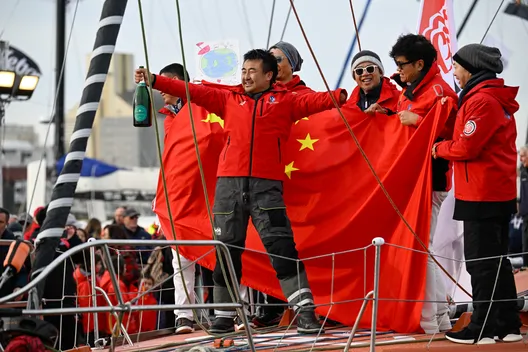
[[162, 168], [491, 23], [364, 155], [270, 24], [355, 24], [286, 23]]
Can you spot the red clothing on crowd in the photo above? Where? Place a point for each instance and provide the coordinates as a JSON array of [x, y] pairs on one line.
[[483, 145], [129, 319], [85, 300], [388, 98], [266, 120], [148, 318]]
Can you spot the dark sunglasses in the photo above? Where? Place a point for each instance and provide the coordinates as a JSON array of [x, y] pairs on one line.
[[369, 69], [402, 64], [279, 59]]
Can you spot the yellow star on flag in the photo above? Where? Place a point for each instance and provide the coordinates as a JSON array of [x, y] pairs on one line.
[[288, 169], [308, 142], [212, 118], [304, 118]]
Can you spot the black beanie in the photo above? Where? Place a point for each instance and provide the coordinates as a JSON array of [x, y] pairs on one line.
[[478, 57]]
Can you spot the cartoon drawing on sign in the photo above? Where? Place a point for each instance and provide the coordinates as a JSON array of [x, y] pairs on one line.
[[219, 62]]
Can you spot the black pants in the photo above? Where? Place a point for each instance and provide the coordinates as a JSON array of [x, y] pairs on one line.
[[487, 238], [525, 240], [236, 200]]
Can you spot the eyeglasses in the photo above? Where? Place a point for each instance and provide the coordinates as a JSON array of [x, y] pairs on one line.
[[279, 59], [370, 69], [401, 64]]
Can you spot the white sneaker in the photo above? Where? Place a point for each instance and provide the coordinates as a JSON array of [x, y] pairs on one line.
[[444, 323]]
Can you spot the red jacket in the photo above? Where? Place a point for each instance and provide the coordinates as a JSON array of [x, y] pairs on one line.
[[255, 129], [129, 319], [388, 97], [148, 319], [429, 91], [84, 300], [297, 86], [483, 146]]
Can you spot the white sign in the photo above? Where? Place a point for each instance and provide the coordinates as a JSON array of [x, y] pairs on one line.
[[219, 62]]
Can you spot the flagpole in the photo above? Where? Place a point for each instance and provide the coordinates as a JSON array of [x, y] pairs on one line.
[[63, 192]]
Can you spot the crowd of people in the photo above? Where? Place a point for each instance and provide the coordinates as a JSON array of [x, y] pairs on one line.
[[477, 144]]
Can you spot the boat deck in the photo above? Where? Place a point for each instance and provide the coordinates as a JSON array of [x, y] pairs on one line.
[[334, 339]]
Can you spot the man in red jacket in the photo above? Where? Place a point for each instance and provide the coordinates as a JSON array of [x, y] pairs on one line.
[[485, 157], [374, 92], [250, 174], [424, 87]]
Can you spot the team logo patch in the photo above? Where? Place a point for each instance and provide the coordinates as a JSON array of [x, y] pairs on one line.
[[409, 107], [470, 127], [272, 99]]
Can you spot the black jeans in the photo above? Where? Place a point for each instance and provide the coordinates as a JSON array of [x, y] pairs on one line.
[[525, 240], [482, 239]]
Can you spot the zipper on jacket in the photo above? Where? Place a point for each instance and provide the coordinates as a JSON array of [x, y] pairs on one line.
[[227, 146], [261, 107], [280, 156], [252, 136], [467, 177]]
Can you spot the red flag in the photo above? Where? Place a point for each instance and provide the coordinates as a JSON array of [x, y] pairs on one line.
[[335, 206]]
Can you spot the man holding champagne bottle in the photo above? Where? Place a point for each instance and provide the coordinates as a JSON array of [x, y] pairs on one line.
[[250, 174]]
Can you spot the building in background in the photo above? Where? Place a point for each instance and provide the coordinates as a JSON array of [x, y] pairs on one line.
[[114, 139]]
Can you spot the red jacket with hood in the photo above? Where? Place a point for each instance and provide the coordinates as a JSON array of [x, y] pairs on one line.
[[483, 145], [388, 98], [255, 128], [420, 100], [85, 300]]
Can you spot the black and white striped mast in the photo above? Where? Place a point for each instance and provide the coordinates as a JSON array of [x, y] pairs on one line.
[[63, 192]]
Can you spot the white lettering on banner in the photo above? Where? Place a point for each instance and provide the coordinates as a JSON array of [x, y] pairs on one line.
[[20, 65], [438, 33]]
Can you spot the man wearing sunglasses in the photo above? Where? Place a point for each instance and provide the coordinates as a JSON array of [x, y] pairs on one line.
[[423, 87], [289, 61], [373, 92]]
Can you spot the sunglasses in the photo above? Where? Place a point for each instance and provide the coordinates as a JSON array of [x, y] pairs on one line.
[[279, 59], [369, 69]]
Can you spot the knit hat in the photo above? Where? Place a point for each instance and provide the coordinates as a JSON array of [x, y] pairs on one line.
[[291, 54], [367, 56], [478, 57]]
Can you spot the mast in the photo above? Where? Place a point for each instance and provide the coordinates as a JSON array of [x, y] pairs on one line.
[[64, 189], [60, 70]]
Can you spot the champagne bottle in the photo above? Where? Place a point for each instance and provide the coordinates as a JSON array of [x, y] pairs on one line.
[[142, 106]]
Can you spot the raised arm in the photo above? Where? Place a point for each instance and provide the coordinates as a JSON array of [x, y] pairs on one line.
[[211, 99], [309, 104]]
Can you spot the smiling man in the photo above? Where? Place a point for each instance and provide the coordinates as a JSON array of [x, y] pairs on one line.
[[374, 92], [250, 174], [424, 87]]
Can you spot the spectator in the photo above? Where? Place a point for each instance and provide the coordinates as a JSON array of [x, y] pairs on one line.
[[135, 232], [119, 216], [19, 280], [128, 253], [93, 228]]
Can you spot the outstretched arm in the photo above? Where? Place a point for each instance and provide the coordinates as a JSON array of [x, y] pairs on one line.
[[211, 99], [309, 104]]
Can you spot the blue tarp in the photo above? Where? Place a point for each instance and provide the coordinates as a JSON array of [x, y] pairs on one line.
[[90, 168]]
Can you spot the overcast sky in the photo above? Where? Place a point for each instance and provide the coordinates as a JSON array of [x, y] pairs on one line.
[[29, 25]]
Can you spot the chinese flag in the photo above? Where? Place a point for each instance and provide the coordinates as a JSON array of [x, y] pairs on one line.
[[335, 205]]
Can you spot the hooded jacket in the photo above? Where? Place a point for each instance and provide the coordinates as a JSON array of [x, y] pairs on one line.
[[483, 146]]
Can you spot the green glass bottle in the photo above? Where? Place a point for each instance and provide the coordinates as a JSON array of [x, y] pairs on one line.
[[142, 106]]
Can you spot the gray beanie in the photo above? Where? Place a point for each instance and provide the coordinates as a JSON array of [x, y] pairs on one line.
[[478, 57], [291, 54], [367, 56]]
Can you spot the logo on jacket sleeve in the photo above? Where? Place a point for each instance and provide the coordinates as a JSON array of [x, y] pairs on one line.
[[272, 99], [470, 127]]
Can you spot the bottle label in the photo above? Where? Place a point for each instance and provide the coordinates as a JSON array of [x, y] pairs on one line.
[[140, 113]]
